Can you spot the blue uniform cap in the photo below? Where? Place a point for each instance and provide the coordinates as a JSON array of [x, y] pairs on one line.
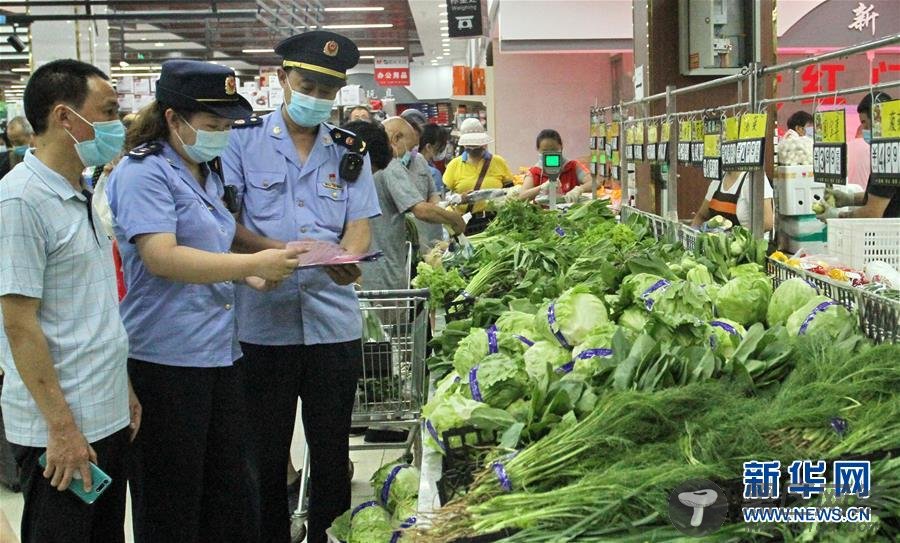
[[192, 85], [322, 56]]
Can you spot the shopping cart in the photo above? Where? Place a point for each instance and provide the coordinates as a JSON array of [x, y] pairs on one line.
[[393, 387]]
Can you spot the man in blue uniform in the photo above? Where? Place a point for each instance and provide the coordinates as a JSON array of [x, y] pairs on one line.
[[297, 178]]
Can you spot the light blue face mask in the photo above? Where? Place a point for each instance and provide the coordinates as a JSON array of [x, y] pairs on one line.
[[20, 150], [867, 136], [208, 145], [109, 138], [406, 159], [308, 111]]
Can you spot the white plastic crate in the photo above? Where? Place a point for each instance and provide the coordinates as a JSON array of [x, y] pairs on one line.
[[856, 242], [796, 190]]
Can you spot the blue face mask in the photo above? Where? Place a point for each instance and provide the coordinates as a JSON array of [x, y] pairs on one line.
[[109, 137], [867, 136], [308, 111], [406, 158], [20, 150], [208, 145]]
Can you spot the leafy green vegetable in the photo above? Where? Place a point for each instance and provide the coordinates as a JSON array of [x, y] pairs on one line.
[[402, 487], [820, 315], [542, 353], [340, 528], [634, 319], [450, 412], [371, 525], [498, 381], [477, 345], [517, 322], [574, 314], [745, 299], [726, 336], [440, 282], [790, 296]]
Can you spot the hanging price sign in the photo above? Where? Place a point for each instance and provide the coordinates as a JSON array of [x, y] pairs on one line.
[[629, 142], [697, 143], [830, 147], [886, 143], [652, 138], [749, 152], [662, 148], [639, 141], [684, 142], [728, 146], [712, 130], [612, 139]]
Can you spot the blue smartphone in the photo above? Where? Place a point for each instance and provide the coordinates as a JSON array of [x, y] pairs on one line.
[[100, 482]]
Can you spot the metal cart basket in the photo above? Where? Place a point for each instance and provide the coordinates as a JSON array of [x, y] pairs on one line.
[[392, 387]]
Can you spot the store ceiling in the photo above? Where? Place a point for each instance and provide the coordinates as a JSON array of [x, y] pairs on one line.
[[241, 33]]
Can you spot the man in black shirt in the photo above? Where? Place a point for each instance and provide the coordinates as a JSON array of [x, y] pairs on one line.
[[879, 200]]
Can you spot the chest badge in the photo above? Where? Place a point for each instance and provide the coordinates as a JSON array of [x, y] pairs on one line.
[[332, 183]]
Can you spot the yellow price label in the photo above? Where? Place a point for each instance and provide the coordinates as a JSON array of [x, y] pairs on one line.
[[830, 126], [665, 131], [886, 120], [711, 145], [613, 130], [653, 133], [732, 128], [639, 133], [684, 130], [629, 135], [614, 160], [698, 131], [753, 126]]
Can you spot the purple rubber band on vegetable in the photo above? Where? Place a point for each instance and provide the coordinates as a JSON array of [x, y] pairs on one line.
[[839, 425], [648, 302], [434, 435], [473, 385], [725, 326], [493, 348], [551, 320], [566, 368], [386, 487], [525, 340], [408, 523], [360, 507], [594, 353], [813, 285], [809, 318], [456, 379], [560, 232], [500, 471]]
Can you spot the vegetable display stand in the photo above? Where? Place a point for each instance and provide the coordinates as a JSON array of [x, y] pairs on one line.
[[464, 453], [856, 242], [688, 236], [879, 316], [661, 228]]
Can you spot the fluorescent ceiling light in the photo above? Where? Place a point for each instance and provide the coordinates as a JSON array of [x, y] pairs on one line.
[[13, 87], [363, 57], [145, 74], [382, 48], [250, 51], [136, 68], [22, 70], [159, 44], [353, 26], [371, 8], [444, 29], [123, 64]]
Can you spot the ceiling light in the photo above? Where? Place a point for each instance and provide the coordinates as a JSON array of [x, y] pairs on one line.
[[363, 57], [159, 44], [444, 29], [356, 9], [353, 26], [136, 68], [251, 51], [16, 87], [136, 74], [21, 70], [123, 64], [382, 48]]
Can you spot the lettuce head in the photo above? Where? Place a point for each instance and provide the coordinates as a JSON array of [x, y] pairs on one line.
[[402, 487], [822, 315], [725, 337], [790, 296], [518, 323], [473, 348], [370, 525], [634, 319], [576, 312], [498, 380], [542, 353], [745, 299]]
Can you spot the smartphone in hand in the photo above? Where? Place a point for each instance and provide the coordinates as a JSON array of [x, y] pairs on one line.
[[100, 480]]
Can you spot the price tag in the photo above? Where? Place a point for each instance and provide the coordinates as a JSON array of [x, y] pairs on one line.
[[728, 152], [711, 152], [830, 163], [629, 135], [753, 126], [885, 147], [712, 169], [639, 152], [684, 152], [732, 128], [615, 172], [748, 152], [653, 133], [629, 151], [684, 130], [662, 151], [697, 152], [651, 152], [615, 158]]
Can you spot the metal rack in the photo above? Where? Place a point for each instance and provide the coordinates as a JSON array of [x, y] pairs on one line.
[[752, 76]]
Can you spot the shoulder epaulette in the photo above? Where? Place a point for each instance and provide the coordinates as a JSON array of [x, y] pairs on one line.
[[347, 139], [143, 151], [253, 120]]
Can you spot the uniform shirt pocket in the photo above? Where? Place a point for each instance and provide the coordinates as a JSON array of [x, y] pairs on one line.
[[265, 195], [197, 227], [331, 201]]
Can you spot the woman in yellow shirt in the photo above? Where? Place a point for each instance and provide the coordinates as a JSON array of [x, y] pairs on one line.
[[476, 169]]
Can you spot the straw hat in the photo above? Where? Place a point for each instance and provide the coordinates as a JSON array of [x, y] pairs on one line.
[[472, 134]]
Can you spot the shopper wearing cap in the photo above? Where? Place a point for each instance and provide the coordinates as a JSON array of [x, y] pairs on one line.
[[476, 169], [191, 480], [291, 175], [574, 178], [63, 349], [878, 201]]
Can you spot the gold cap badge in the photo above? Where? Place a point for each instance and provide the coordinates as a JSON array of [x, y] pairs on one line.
[[230, 85], [331, 48]]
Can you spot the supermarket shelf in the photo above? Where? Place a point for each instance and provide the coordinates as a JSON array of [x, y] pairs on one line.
[[470, 98]]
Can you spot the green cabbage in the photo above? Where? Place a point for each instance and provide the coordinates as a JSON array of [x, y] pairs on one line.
[[542, 353], [724, 341], [517, 323], [599, 338], [403, 488], [751, 268], [745, 299], [371, 525], [830, 320], [682, 302], [405, 510], [473, 348], [499, 380], [787, 298], [453, 411], [577, 312], [340, 528], [634, 319], [586, 361], [700, 275], [634, 286]]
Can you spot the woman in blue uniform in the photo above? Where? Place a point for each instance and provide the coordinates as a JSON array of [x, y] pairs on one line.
[[191, 481], [298, 178]]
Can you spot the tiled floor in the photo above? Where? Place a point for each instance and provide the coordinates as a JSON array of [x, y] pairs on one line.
[[365, 464]]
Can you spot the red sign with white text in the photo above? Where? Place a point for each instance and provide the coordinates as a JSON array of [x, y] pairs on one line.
[[392, 71]]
